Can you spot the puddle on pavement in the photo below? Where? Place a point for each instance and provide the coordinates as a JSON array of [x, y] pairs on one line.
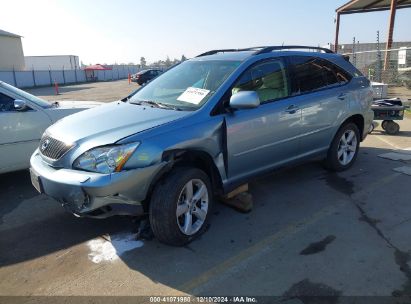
[[309, 292], [110, 248], [339, 183], [316, 247], [403, 259]]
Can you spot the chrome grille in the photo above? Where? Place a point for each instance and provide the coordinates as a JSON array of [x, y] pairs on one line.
[[53, 148]]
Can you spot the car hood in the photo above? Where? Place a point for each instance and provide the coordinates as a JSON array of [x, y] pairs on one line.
[[74, 104], [110, 122], [66, 107]]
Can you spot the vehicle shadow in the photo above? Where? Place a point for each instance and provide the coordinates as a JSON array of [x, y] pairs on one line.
[[280, 199], [401, 133], [15, 187]]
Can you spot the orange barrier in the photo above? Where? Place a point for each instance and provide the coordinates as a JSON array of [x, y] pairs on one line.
[[56, 87]]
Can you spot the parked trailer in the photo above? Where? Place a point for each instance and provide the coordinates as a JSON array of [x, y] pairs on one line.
[[388, 110]]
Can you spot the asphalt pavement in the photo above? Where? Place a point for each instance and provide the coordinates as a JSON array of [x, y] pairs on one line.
[[311, 232]]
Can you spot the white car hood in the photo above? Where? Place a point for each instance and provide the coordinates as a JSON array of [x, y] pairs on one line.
[[68, 107]]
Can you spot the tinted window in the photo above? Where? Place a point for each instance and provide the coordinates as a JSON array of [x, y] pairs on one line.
[[268, 79], [6, 103], [312, 74]]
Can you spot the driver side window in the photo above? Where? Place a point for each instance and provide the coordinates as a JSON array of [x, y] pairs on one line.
[[6, 103], [268, 79]]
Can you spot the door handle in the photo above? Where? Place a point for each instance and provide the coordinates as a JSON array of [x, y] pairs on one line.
[[292, 109], [342, 96]]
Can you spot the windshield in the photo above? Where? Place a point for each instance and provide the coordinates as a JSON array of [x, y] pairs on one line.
[[40, 102], [187, 86]]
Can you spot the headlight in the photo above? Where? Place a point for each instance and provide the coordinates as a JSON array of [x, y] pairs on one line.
[[105, 159]]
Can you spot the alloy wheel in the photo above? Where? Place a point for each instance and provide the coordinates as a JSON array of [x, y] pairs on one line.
[[192, 206], [347, 147]]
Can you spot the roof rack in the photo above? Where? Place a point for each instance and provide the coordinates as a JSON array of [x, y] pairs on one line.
[[266, 49], [230, 50], [289, 47]]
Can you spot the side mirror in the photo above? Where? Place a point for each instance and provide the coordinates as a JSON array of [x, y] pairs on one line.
[[20, 105], [244, 100]]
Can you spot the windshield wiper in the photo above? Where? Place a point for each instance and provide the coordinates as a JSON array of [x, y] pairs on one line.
[[157, 104]]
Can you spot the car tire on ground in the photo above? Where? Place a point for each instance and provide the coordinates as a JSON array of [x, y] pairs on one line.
[[343, 150], [180, 206]]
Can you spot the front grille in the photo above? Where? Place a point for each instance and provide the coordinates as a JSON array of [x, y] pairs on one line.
[[53, 148]]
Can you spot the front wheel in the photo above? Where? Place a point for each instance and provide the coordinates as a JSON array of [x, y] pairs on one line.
[[344, 148], [180, 206]]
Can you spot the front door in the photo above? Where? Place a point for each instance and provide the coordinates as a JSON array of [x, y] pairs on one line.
[[267, 136], [20, 132]]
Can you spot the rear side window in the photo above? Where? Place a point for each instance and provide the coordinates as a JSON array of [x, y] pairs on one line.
[[268, 79], [311, 74]]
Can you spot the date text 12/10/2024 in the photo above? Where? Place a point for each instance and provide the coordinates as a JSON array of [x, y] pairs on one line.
[[205, 299]]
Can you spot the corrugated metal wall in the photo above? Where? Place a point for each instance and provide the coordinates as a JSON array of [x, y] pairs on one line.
[[29, 79]]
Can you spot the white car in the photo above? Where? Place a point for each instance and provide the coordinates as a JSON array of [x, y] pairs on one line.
[[23, 119]]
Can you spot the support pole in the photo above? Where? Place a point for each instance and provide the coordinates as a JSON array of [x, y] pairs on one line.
[[390, 33], [337, 32]]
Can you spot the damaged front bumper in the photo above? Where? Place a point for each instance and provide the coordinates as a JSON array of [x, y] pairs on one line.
[[94, 194]]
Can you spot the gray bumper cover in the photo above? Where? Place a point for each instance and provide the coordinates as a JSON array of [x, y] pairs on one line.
[[84, 192]]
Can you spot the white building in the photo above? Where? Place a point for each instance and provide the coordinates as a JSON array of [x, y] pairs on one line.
[[56, 62], [11, 52]]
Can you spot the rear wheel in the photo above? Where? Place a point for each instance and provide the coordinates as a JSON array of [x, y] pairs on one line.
[[344, 148], [180, 206]]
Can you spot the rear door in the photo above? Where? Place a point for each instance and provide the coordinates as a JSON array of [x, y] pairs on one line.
[[318, 87], [266, 136]]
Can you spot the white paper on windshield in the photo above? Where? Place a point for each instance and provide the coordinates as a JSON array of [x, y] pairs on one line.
[[193, 95]]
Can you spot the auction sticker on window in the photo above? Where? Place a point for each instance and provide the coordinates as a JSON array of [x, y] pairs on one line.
[[193, 95]]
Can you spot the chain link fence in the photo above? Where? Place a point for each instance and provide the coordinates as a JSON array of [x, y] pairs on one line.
[[392, 80]]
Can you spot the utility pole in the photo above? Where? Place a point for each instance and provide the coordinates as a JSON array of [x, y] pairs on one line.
[[378, 68], [354, 55]]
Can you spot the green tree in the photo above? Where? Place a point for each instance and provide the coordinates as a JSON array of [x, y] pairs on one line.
[[143, 62]]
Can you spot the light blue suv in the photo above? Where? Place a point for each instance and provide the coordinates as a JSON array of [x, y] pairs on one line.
[[201, 129]]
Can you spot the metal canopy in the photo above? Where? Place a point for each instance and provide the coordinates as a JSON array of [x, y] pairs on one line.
[[363, 6]]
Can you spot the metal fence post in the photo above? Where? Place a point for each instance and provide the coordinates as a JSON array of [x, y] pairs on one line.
[[51, 79], [14, 77], [34, 76], [64, 76]]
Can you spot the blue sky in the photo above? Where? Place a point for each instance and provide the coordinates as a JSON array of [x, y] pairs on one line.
[[124, 30]]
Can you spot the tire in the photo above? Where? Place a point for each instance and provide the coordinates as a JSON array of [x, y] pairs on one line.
[[371, 129], [392, 128], [341, 156], [169, 197], [384, 124]]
